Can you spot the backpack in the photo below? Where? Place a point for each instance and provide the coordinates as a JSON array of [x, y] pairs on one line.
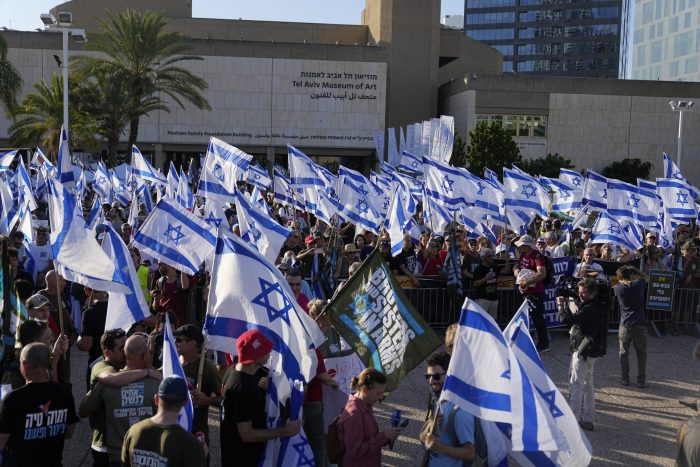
[[549, 268], [480, 447], [334, 442]]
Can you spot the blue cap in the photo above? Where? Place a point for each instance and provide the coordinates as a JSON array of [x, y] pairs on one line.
[[173, 389]]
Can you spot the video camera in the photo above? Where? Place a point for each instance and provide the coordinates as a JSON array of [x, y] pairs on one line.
[[567, 286]]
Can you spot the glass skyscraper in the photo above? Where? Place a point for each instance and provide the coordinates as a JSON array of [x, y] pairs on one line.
[[553, 37]]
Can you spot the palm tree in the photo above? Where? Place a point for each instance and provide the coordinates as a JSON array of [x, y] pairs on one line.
[[10, 80], [105, 97], [38, 120], [137, 49]]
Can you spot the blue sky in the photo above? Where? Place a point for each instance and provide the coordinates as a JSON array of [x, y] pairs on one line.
[[24, 14]]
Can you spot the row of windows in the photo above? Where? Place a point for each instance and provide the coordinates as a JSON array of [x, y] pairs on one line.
[[491, 18], [657, 30], [658, 9], [502, 3], [591, 30], [534, 126], [687, 43], [675, 69], [504, 49], [582, 64], [567, 48], [554, 2], [492, 34], [561, 15]]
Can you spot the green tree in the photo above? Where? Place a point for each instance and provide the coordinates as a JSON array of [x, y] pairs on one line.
[[112, 107], [10, 80], [491, 146], [38, 120], [547, 166], [628, 170], [459, 155], [136, 49]]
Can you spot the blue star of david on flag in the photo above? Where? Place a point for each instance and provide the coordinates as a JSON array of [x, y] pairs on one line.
[[447, 184], [528, 191], [362, 206], [633, 201], [414, 164], [362, 190], [550, 398], [253, 231], [13, 186], [173, 234], [481, 188], [302, 447], [682, 198], [386, 203], [576, 181], [564, 194], [359, 304], [613, 229], [263, 300], [219, 173], [101, 180], [214, 221]]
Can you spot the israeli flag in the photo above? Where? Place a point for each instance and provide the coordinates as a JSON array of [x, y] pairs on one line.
[[9, 213], [565, 197], [646, 184], [492, 177], [357, 199], [173, 181], [381, 180], [72, 244], [608, 230], [258, 176], [330, 180], [399, 218], [6, 159], [223, 166], [411, 163], [524, 193], [632, 204], [284, 193], [65, 166], [259, 202], [437, 216], [326, 207], [173, 367], [143, 170], [303, 172], [595, 190], [119, 189], [39, 160], [677, 198], [415, 185], [671, 170], [386, 169], [486, 197], [215, 215], [24, 186], [572, 178], [478, 378], [143, 195], [248, 292], [123, 308], [259, 229], [41, 188], [102, 185], [450, 186], [184, 195], [176, 237]]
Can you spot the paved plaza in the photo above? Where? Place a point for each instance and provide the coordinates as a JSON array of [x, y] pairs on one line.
[[634, 426]]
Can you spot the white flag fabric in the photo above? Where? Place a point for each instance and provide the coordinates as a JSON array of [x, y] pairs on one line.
[[677, 198], [123, 308], [65, 166], [6, 159], [595, 190], [173, 367], [259, 229], [77, 255], [143, 170], [175, 236], [223, 166], [248, 292], [173, 181]]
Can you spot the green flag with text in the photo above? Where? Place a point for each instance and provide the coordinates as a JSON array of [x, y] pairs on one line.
[[372, 313]]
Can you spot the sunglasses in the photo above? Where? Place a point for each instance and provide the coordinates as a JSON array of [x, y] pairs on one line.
[[435, 376]]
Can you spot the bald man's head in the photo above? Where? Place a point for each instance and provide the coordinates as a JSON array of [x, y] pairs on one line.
[[136, 350]]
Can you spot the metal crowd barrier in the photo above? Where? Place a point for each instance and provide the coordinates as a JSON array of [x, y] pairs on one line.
[[440, 310]]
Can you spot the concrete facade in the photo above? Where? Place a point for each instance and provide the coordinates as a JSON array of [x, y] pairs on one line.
[[593, 122]]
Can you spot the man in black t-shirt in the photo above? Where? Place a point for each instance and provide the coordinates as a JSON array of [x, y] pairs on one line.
[[243, 409], [36, 419], [406, 260], [484, 283], [93, 327]]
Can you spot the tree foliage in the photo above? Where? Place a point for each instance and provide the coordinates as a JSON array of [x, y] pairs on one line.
[[547, 166], [38, 120], [628, 170], [136, 50], [491, 146], [10, 79], [459, 155]]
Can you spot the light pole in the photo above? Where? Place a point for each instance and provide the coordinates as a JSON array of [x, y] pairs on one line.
[[65, 20], [680, 107]]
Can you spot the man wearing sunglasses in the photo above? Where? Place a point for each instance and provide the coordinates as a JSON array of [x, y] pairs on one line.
[[451, 441]]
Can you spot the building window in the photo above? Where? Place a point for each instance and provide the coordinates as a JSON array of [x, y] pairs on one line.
[[529, 126], [691, 65], [681, 44], [647, 13], [641, 55], [673, 24], [657, 48], [673, 69]]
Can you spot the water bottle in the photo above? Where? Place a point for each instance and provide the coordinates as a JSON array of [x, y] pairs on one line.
[[395, 419]]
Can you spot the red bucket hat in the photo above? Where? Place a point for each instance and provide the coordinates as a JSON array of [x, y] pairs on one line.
[[252, 345]]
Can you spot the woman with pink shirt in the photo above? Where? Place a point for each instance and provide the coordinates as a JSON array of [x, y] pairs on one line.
[[362, 441]]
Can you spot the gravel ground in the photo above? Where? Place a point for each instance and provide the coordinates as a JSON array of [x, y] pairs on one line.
[[633, 426]]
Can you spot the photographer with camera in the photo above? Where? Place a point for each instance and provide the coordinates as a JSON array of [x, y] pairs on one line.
[[633, 328], [588, 342]]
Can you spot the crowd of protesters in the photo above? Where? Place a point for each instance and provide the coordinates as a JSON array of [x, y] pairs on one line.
[[133, 409]]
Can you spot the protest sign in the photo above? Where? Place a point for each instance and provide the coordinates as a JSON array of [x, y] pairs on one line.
[[377, 320], [660, 290]]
